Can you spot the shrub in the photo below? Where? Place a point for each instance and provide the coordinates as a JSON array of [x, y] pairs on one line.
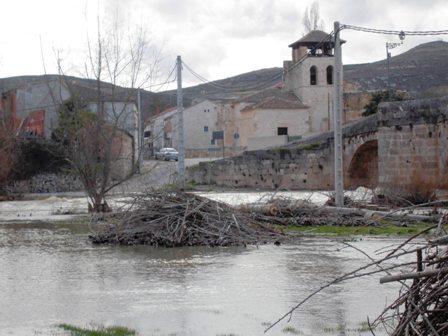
[[38, 156], [382, 96]]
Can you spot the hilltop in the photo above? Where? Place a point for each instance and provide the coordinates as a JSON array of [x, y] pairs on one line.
[[419, 70]]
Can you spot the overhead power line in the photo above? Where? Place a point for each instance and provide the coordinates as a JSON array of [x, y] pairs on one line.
[[167, 80], [263, 83], [396, 32]]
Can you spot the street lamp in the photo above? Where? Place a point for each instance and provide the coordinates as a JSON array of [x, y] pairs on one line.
[[389, 46]]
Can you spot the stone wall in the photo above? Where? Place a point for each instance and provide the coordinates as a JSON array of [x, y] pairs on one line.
[[300, 167], [413, 144], [46, 183]]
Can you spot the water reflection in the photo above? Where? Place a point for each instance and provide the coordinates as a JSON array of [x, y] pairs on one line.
[[50, 274]]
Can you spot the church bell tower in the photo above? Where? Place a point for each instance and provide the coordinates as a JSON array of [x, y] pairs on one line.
[[309, 75]]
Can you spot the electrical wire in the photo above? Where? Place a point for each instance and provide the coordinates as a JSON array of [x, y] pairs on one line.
[[266, 81], [167, 81], [396, 32]]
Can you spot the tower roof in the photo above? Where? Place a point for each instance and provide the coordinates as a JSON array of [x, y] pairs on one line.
[[312, 38]]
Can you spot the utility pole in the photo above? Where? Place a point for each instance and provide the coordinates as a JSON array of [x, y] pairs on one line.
[[140, 132], [388, 66], [337, 114], [180, 125]]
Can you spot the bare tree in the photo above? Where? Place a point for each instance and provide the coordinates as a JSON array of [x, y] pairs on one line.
[[98, 125], [311, 18]]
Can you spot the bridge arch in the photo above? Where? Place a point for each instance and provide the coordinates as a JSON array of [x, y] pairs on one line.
[[363, 167]]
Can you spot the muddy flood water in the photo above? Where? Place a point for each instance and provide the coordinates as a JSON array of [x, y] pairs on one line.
[[51, 274]]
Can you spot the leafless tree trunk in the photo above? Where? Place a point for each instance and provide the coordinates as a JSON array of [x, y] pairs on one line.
[[98, 125]]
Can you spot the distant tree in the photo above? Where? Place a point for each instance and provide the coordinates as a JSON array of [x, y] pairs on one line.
[[382, 96], [311, 18]]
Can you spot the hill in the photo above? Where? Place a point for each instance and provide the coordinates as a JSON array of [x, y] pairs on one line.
[[417, 70], [422, 70]]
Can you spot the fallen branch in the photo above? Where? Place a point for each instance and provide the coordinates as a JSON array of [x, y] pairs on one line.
[[416, 275]]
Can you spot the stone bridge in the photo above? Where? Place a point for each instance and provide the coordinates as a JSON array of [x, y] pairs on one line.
[[403, 145]]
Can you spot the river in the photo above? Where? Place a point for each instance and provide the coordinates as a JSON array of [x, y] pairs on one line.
[[51, 274]]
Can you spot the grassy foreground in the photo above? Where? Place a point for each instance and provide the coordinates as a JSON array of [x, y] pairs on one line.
[[98, 331]]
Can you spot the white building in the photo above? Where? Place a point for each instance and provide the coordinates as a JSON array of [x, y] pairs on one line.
[[203, 127]]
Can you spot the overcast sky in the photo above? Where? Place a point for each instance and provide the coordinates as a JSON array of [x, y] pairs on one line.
[[218, 38]]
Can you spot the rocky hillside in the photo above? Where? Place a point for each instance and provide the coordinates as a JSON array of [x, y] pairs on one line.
[[418, 70]]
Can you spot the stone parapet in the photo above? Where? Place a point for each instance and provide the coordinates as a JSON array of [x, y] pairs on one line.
[[420, 111]]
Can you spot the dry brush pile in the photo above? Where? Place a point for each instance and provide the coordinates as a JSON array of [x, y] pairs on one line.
[[421, 308], [174, 218], [287, 211]]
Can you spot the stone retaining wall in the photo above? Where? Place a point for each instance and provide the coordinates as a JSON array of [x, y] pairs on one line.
[[46, 183], [305, 167]]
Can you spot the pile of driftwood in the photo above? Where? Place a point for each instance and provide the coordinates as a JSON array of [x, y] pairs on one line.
[[175, 218], [422, 306], [287, 211]]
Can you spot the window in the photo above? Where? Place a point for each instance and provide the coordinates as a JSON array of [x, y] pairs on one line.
[[205, 129], [282, 131], [330, 75], [212, 142], [313, 75]]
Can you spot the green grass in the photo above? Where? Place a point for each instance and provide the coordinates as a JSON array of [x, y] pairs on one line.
[[291, 330], [311, 146], [384, 230], [98, 331], [364, 326]]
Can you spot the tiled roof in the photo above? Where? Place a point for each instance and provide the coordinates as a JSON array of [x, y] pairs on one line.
[[272, 98], [313, 37]]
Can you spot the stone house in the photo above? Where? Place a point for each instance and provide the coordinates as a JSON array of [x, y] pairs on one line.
[[39, 98], [35, 103], [267, 118]]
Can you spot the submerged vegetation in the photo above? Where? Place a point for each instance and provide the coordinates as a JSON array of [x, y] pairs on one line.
[[98, 331]]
